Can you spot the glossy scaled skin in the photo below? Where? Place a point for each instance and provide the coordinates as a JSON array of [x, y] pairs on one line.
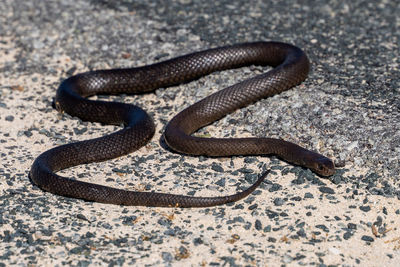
[[291, 68]]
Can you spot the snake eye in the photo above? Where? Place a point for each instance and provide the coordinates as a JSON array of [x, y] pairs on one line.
[[320, 167]]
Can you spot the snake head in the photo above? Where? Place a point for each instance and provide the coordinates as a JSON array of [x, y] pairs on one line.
[[322, 165], [314, 161]]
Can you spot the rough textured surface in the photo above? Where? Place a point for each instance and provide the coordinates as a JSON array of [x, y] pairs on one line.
[[348, 109]]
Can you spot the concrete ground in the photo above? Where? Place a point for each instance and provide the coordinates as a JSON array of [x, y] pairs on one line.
[[347, 109]]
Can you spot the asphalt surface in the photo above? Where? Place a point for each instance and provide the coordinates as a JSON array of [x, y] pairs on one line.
[[348, 109]]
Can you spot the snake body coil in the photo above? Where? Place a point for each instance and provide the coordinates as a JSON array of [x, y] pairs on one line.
[[291, 67]]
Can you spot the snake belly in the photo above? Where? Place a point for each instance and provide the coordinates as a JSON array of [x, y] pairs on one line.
[[291, 67]]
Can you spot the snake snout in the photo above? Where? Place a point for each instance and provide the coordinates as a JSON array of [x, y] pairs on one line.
[[323, 166]]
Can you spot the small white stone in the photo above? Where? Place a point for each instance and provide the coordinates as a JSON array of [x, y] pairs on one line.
[[334, 251], [352, 145]]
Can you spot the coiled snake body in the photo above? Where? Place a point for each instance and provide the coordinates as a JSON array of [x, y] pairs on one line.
[[291, 67]]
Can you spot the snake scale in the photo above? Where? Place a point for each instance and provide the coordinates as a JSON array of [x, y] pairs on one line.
[[291, 67]]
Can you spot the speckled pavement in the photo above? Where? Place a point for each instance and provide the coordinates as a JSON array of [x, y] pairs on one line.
[[347, 109]]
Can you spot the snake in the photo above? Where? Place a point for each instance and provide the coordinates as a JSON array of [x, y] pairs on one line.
[[290, 66]]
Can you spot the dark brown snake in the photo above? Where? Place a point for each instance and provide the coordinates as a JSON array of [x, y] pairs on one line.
[[291, 67]]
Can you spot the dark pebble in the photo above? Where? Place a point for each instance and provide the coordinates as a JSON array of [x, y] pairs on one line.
[[251, 178], [278, 201], [221, 182], [76, 250], [198, 241], [120, 241], [235, 220], [245, 170], [297, 198], [170, 232], [119, 170], [267, 229], [237, 206], [228, 261], [336, 179], [164, 222], [250, 159], [160, 56], [326, 190], [371, 178], [347, 235], [9, 118], [378, 221], [301, 225], [352, 226], [316, 232], [308, 195], [82, 217], [252, 207], [128, 220], [79, 131], [167, 256], [317, 181], [384, 210], [89, 235], [106, 226], [323, 228], [299, 257], [28, 133], [301, 233], [365, 208], [382, 230], [375, 191], [275, 187], [191, 193], [299, 180], [251, 198], [271, 214], [46, 232], [367, 238], [258, 225], [217, 168], [182, 253]]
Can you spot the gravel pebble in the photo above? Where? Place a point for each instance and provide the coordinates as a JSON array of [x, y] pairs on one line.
[[327, 190]]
